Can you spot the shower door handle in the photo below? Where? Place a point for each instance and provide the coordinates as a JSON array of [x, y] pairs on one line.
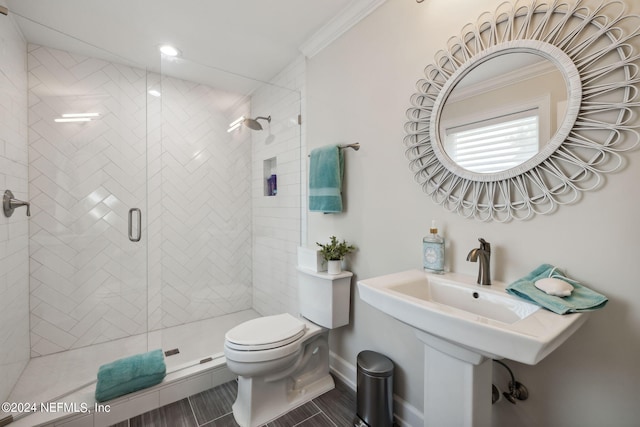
[[138, 235]]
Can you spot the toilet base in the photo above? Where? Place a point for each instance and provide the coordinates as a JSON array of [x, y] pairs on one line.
[[258, 414], [262, 399]]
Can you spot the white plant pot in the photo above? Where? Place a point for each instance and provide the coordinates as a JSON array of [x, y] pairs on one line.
[[334, 266]]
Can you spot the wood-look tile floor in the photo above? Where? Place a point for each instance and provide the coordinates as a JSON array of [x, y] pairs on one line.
[[212, 408]]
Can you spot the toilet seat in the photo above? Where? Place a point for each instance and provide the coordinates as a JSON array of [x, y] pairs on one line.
[[265, 333]]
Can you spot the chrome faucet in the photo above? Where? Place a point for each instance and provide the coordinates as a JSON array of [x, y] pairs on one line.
[[484, 253]]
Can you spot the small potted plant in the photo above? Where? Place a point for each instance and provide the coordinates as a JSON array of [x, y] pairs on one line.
[[334, 252]]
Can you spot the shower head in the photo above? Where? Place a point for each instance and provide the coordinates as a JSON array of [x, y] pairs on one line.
[[254, 124]]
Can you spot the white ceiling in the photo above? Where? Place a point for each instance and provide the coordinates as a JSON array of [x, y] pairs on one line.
[[225, 43]]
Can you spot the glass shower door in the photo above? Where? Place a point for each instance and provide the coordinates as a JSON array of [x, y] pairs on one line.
[[87, 184], [225, 252]]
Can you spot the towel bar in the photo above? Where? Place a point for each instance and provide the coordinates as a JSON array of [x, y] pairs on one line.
[[355, 146]]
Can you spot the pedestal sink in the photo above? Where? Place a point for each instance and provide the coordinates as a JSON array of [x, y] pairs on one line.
[[463, 326]]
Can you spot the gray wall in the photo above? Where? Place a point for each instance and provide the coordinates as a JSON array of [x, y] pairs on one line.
[[358, 90]]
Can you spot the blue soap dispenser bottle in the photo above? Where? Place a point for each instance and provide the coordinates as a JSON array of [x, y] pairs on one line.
[[433, 251]]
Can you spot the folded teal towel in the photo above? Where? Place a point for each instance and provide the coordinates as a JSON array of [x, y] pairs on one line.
[[326, 168], [581, 299], [130, 374]]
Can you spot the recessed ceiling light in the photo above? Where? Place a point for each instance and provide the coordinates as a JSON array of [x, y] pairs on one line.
[[169, 50]]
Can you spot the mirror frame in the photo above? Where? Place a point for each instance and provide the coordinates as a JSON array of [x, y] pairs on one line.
[[574, 96], [592, 50]]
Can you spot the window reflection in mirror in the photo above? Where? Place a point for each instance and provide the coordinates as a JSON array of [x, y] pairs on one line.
[[503, 112], [496, 144]]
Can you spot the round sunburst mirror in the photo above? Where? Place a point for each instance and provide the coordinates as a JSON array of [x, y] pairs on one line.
[[526, 109]]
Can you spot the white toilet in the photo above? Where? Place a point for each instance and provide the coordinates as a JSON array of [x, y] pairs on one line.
[[282, 361]]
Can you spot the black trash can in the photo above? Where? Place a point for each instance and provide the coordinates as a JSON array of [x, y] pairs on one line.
[[375, 390]]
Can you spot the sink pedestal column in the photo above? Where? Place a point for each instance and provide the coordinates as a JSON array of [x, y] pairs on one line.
[[457, 385]]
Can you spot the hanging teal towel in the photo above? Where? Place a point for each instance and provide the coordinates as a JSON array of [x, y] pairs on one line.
[[130, 374], [326, 168], [581, 298]]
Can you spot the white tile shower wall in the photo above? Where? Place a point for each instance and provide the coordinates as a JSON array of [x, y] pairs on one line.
[[87, 279], [277, 220], [154, 203], [14, 231], [172, 154], [206, 206]]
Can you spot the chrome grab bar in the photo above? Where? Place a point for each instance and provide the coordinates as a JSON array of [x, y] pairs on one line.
[[138, 236]]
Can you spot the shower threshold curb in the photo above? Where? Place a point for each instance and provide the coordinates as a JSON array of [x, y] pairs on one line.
[[83, 411]]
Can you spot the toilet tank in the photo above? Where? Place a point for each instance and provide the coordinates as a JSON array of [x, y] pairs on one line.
[[324, 298]]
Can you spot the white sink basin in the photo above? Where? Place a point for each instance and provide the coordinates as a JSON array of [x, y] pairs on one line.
[[493, 305], [485, 320]]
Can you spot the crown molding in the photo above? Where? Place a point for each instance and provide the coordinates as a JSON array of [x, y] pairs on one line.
[[340, 24]]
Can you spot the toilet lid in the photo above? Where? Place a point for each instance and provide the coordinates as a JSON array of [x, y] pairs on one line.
[[265, 332]]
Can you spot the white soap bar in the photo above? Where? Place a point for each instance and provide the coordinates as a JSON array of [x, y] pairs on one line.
[[553, 286]]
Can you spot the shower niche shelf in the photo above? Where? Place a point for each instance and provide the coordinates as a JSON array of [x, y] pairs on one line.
[[270, 167]]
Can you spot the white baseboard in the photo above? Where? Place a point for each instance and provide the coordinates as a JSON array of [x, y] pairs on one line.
[[342, 369], [405, 414]]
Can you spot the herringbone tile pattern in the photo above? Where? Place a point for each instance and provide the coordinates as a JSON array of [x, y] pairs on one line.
[[277, 220], [206, 207], [14, 231], [88, 281]]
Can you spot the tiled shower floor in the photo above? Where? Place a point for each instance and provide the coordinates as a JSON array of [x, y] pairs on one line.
[[47, 377], [212, 408]]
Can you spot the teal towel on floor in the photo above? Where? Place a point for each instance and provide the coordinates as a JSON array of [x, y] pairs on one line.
[[130, 374], [581, 299], [326, 168]]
